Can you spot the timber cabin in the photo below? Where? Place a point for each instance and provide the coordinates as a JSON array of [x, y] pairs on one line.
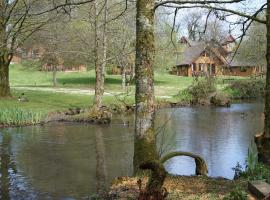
[[200, 58]]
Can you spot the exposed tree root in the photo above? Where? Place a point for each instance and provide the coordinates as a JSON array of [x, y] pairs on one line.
[[154, 189], [201, 166]]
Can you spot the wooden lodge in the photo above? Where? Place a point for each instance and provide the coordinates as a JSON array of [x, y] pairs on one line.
[[37, 52], [202, 58]]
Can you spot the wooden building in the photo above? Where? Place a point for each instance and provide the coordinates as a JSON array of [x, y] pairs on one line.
[[200, 58], [238, 68]]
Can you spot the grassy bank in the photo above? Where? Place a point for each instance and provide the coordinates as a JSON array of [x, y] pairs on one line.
[[76, 90]]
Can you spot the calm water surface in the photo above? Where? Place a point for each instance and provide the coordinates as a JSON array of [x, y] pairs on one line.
[[73, 161]]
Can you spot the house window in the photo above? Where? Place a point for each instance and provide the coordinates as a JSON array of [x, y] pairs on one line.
[[201, 66], [194, 67], [243, 69]]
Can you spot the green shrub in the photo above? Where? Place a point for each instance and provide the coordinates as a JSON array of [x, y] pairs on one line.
[[184, 96], [246, 89], [201, 88], [199, 92], [260, 172]]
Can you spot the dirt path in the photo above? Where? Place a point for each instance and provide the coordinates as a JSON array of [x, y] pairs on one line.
[[65, 90], [77, 91]]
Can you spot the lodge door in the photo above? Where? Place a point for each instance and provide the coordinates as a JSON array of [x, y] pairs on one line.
[[213, 68]]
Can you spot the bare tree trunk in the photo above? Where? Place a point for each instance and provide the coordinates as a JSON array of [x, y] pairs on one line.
[[100, 65], [263, 141], [123, 75], [54, 76], [4, 57], [4, 79], [145, 142], [98, 93], [267, 88]]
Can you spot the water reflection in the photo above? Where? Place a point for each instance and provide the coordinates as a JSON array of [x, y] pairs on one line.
[[5, 165], [101, 169], [220, 135], [71, 160], [74, 161]]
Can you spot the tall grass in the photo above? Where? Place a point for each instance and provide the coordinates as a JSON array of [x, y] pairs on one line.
[[20, 117]]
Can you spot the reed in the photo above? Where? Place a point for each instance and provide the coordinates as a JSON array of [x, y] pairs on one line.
[[19, 117]]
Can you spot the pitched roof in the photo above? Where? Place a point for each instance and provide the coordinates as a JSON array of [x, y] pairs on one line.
[[238, 62], [191, 53]]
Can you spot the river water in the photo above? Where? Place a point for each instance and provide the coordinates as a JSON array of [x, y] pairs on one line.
[[73, 161]]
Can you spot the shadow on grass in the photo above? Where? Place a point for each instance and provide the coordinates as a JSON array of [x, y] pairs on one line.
[[86, 81]]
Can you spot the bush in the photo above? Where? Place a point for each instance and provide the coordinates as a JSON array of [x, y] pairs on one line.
[[184, 96], [260, 172], [201, 89], [254, 170], [200, 92], [246, 89]]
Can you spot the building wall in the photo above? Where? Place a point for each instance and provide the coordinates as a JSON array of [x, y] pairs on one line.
[[214, 62], [183, 70], [236, 71]]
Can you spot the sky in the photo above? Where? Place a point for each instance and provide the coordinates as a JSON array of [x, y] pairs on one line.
[[248, 7]]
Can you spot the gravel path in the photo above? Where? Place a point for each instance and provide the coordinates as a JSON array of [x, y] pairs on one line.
[[71, 91]]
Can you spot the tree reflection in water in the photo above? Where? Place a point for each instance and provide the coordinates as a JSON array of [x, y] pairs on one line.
[[6, 165], [101, 170]]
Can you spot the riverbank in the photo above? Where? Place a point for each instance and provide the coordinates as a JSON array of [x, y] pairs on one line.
[[180, 187], [44, 107], [75, 91]]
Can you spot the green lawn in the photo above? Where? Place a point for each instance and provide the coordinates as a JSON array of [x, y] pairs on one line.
[[22, 76], [166, 86]]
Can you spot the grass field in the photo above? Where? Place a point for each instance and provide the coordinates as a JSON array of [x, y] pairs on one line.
[[43, 97]]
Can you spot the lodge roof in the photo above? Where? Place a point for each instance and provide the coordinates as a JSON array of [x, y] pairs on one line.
[[191, 53], [238, 62], [194, 50]]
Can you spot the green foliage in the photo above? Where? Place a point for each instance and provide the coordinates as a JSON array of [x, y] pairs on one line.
[[33, 64], [184, 96], [252, 158], [246, 89], [202, 88], [253, 170], [236, 194], [200, 91], [260, 172], [18, 117]]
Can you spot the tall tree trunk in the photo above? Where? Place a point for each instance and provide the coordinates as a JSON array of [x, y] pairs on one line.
[[4, 56], [267, 88], [54, 76], [4, 78], [100, 65], [145, 142], [263, 141], [123, 75], [98, 93]]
